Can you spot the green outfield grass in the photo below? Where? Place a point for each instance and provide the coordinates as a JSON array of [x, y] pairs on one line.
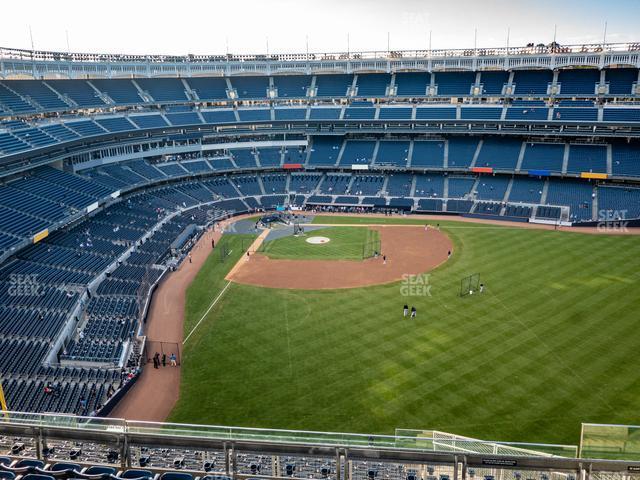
[[550, 344], [346, 243]]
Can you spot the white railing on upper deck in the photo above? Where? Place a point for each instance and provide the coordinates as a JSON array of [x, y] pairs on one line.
[[540, 49]]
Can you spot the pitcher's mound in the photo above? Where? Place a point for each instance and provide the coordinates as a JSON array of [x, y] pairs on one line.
[[406, 250], [318, 240]]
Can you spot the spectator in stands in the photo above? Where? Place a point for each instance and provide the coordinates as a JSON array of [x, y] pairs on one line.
[[172, 359]]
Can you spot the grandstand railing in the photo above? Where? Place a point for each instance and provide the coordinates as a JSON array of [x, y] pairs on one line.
[[348, 455], [39, 64], [552, 48]]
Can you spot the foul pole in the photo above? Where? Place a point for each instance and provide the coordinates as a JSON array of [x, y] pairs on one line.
[[3, 402]]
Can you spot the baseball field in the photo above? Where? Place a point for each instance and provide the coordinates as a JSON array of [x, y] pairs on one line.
[[550, 343]]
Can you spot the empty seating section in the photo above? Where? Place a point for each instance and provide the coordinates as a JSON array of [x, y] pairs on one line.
[[324, 113], [532, 82], [428, 154], [621, 114], [393, 153], [493, 82], [38, 92], [292, 86], [625, 159], [481, 113], [34, 137], [460, 187], [499, 153], [212, 88], [373, 84], [59, 132], [252, 115], [250, 87], [219, 116], [461, 152], [522, 211], [569, 113], [120, 91], [333, 85], [399, 185], [491, 188], [335, 184], [183, 118], [454, 83], [290, 113], [274, 183], [359, 113], [291, 155], [25, 96], [587, 158], [621, 80], [435, 113], [430, 185], [324, 150], [358, 152], [86, 128], [304, 182], [163, 89], [13, 102], [618, 202], [115, 124], [395, 113], [543, 156], [272, 157], [526, 190], [79, 91], [527, 110], [247, 185], [575, 194], [244, 158], [149, 121], [10, 143], [412, 84], [367, 185], [579, 81]]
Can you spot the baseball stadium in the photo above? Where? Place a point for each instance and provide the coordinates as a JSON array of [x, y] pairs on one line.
[[360, 265]]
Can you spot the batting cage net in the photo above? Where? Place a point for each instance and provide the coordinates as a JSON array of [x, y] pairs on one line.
[[470, 285], [371, 247]]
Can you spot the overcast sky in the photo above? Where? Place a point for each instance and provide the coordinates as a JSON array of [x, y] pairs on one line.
[[189, 26]]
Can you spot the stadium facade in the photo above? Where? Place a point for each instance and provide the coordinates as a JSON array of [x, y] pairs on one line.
[[108, 162]]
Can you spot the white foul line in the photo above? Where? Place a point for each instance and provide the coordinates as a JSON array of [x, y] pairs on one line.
[[207, 312]]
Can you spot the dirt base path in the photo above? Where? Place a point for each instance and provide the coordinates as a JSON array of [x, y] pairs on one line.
[[409, 250], [157, 390]]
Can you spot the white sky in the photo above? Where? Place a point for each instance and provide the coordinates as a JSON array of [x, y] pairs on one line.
[[190, 26]]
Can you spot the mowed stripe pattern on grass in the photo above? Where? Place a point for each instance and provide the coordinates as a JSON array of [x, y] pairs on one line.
[[346, 243], [552, 343]]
